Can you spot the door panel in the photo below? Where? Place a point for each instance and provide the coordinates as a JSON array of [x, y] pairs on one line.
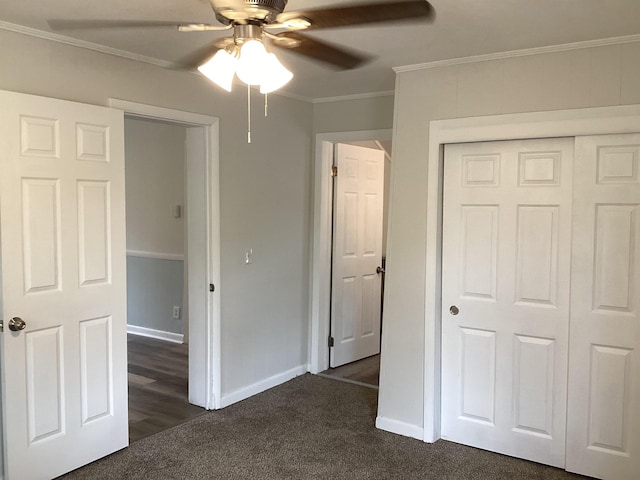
[[63, 263], [506, 252], [357, 252], [603, 425]]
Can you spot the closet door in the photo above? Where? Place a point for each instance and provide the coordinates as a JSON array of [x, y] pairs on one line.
[[603, 424], [505, 294]]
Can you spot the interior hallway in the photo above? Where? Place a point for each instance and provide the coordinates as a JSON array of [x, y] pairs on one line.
[[158, 386]]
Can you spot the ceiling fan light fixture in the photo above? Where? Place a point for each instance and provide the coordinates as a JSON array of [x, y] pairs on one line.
[[277, 76], [220, 69]]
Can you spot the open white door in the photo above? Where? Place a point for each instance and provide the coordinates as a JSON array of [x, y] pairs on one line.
[[357, 254], [64, 376], [505, 299], [603, 425]]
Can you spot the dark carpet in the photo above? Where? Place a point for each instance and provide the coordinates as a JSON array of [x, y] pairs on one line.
[[310, 427]]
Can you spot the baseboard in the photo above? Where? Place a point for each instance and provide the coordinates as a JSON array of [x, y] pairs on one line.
[[261, 386], [159, 334], [400, 428]]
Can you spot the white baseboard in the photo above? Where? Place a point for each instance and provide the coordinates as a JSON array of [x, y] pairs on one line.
[[261, 386], [401, 428], [159, 334]]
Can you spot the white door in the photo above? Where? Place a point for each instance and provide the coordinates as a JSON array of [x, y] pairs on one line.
[[357, 253], [603, 428], [64, 377], [505, 299]]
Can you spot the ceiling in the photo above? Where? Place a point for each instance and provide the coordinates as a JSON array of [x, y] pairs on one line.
[[462, 28]]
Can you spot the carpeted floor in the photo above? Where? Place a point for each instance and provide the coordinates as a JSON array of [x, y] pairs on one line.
[[310, 427]]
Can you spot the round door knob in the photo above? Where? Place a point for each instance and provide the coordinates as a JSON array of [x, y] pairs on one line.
[[453, 310], [16, 324], [379, 270]]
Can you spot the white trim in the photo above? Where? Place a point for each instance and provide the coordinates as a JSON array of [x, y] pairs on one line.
[[209, 360], [561, 123], [348, 380], [321, 255], [356, 96], [520, 53], [262, 385], [152, 333], [400, 428], [155, 255], [152, 112]]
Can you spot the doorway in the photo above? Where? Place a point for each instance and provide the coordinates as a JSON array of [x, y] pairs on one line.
[[157, 320], [199, 305], [362, 362]]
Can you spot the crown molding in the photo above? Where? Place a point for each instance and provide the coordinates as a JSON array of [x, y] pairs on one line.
[[520, 53], [54, 37], [357, 96]]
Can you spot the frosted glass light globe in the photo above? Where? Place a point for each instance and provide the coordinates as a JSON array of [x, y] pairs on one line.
[[252, 63]]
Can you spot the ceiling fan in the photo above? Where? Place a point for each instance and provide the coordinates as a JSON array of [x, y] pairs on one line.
[[256, 22]]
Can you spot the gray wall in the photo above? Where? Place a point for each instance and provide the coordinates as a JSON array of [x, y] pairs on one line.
[[590, 77], [264, 190], [374, 113], [154, 287]]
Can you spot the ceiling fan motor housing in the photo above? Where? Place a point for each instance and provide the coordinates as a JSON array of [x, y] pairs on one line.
[[254, 10]]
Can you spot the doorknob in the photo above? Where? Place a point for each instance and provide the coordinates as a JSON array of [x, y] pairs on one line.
[[379, 270], [453, 310], [16, 324]]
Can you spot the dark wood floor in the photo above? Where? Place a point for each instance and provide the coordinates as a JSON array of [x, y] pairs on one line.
[[365, 371], [158, 386]]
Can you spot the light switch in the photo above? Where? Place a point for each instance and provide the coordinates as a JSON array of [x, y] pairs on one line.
[[176, 211], [248, 256]]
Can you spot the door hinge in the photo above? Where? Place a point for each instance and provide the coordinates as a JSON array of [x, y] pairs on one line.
[[212, 287], [334, 171], [331, 341]]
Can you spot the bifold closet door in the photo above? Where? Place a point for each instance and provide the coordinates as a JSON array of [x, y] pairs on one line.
[[505, 299], [603, 428]]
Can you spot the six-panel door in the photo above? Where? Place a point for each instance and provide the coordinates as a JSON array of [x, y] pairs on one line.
[[357, 253], [603, 425], [506, 253], [63, 265]]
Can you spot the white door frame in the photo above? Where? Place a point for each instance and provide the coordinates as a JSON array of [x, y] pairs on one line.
[[204, 359], [321, 259], [561, 123]]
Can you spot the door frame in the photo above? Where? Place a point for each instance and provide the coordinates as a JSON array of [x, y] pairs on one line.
[[320, 307], [204, 357], [560, 123]]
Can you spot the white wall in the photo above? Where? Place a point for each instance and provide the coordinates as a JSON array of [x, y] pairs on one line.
[[590, 77], [265, 190]]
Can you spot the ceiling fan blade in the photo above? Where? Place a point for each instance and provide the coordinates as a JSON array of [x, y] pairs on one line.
[[362, 14], [339, 58], [99, 24]]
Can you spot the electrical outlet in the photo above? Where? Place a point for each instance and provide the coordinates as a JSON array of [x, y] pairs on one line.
[[176, 312]]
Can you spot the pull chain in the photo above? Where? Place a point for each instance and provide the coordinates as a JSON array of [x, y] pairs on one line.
[[248, 113]]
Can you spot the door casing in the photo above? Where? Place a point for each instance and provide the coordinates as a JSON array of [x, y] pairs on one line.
[[204, 355], [320, 305], [561, 123]]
